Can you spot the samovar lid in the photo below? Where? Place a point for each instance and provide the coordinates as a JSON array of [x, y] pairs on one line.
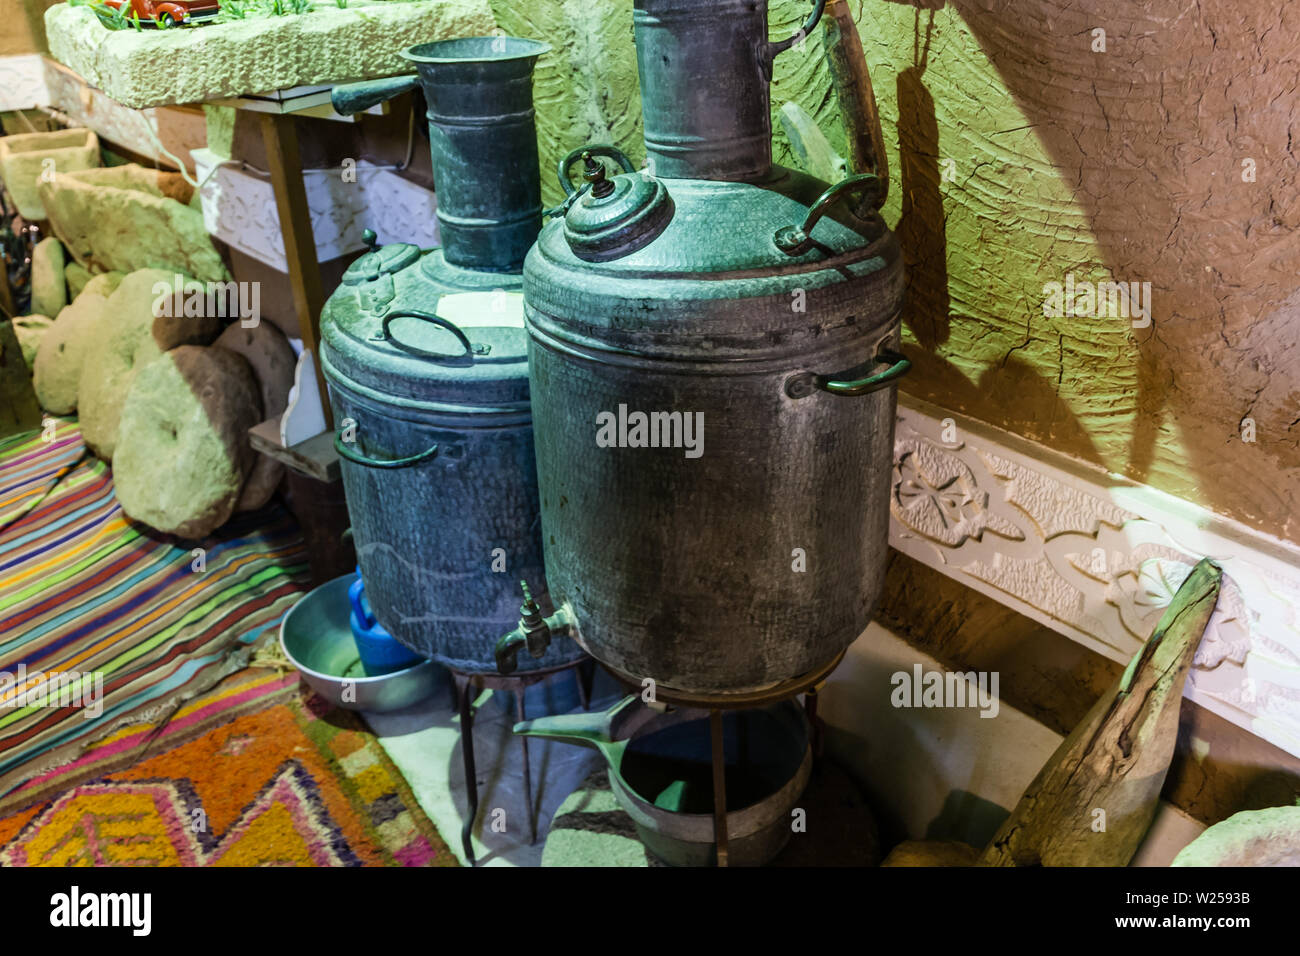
[[380, 260]]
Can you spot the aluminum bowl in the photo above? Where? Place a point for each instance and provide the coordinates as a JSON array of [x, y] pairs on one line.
[[317, 637]]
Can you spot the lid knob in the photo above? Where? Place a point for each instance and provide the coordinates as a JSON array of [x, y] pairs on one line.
[[593, 172], [370, 238]]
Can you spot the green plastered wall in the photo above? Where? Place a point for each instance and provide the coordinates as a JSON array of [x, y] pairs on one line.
[[1022, 151]]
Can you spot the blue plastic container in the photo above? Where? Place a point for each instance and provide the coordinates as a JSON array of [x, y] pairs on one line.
[[380, 652]]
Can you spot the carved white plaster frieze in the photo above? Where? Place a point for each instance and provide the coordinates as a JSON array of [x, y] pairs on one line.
[[1098, 558], [22, 82], [239, 208]]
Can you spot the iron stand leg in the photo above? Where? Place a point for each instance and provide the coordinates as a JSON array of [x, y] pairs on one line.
[[816, 725], [528, 774], [719, 785], [465, 689], [586, 674]]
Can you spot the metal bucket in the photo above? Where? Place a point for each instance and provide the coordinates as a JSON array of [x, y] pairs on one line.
[[661, 773]]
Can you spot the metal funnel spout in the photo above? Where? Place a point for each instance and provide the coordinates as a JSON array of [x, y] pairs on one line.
[[482, 141], [596, 731]]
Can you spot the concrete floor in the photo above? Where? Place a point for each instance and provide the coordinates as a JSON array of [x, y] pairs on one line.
[[424, 742], [930, 774]]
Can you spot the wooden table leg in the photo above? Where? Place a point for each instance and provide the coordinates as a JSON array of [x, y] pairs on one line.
[[281, 141]]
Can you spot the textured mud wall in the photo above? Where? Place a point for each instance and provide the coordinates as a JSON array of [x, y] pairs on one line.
[[1027, 147], [586, 88], [1166, 158], [22, 26]]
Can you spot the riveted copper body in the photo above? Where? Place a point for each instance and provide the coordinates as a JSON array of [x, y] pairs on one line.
[[751, 548]]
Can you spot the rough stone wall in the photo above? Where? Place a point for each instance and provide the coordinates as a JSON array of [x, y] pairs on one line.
[[1022, 151]]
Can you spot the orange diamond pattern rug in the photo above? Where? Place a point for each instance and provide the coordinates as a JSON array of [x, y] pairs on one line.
[[258, 772]]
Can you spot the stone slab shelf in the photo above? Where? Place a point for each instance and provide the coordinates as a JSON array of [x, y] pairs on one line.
[[164, 135], [219, 60]]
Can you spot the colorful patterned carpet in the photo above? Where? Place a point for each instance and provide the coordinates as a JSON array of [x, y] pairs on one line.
[[258, 772], [103, 621]]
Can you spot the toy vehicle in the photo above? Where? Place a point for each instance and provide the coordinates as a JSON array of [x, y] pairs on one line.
[[168, 13]]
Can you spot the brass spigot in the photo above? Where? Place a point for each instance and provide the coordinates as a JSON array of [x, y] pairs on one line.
[[534, 632]]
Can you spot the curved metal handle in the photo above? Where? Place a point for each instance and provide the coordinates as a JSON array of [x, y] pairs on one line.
[[851, 80], [572, 193], [775, 49], [359, 97], [356, 595], [357, 458], [799, 385], [427, 317], [796, 240], [596, 149]]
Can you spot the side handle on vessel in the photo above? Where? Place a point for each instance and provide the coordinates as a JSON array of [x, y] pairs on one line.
[[851, 81], [360, 458], [433, 319], [803, 384], [533, 632], [796, 240]]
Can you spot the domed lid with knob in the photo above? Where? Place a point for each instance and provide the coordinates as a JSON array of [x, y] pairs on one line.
[[379, 260], [670, 266], [611, 218], [412, 329]]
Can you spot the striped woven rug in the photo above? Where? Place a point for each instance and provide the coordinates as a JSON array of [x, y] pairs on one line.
[[258, 771], [104, 621]]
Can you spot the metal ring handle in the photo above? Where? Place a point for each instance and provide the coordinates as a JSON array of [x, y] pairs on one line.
[[596, 149], [427, 317], [796, 240], [899, 366], [775, 49], [357, 458]]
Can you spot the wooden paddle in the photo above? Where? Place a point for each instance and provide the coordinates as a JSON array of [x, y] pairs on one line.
[[1093, 801]]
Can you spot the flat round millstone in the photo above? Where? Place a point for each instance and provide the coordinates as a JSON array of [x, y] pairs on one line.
[[273, 361], [1251, 838], [183, 451], [62, 351], [49, 285], [128, 337]]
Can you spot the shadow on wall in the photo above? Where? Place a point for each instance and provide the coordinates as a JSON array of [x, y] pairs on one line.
[[1170, 127], [925, 249]]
